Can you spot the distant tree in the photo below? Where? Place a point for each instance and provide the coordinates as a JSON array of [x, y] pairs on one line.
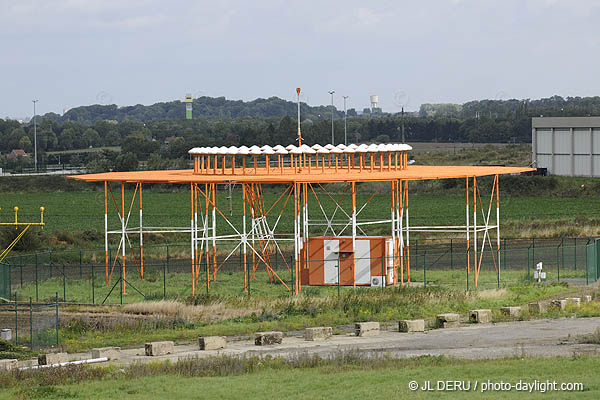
[[126, 162]]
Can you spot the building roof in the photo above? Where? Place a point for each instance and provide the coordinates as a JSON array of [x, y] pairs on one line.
[[412, 172]]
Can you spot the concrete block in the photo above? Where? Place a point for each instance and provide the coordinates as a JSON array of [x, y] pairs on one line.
[[411, 325], [560, 304], [480, 316], [112, 353], [212, 342], [267, 338], [574, 301], [447, 320], [7, 364], [52, 358], [6, 334], [154, 349], [587, 298], [33, 362], [318, 333], [539, 307], [513, 312], [363, 329]]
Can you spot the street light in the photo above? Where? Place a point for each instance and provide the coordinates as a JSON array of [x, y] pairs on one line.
[[345, 115], [34, 135], [332, 108]]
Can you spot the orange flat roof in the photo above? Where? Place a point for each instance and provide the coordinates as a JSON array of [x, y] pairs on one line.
[[412, 172]]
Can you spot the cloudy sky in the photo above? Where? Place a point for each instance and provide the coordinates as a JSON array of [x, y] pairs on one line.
[[76, 52]]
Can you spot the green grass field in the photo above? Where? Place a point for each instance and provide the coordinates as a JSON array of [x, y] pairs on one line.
[[81, 211], [383, 379]]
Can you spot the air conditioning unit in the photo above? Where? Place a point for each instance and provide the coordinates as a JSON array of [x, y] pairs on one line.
[[377, 281]]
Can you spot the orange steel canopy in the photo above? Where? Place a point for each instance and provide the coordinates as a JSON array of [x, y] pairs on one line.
[[411, 172], [296, 169]]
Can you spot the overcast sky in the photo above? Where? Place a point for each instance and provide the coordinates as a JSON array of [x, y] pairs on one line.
[[68, 53]]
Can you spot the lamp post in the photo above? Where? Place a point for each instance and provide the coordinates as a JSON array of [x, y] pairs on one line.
[[332, 108], [345, 129], [34, 135]]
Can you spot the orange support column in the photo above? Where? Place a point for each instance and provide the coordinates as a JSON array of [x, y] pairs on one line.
[[141, 238], [192, 239], [123, 234], [498, 222], [106, 231], [468, 231], [475, 266]]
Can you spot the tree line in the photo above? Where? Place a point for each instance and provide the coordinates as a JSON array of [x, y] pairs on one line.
[[146, 140]]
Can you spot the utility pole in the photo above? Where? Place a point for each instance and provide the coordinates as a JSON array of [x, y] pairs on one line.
[[403, 138], [299, 134], [332, 108], [34, 134], [345, 127]]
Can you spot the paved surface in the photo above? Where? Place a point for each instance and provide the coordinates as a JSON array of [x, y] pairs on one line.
[[542, 338]]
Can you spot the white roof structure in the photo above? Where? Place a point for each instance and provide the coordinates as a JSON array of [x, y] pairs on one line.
[[304, 149]]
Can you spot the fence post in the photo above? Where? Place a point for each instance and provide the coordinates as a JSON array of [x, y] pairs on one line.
[[338, 280], [36, 277], [93, 297], [467, 271], [30, 324], [21, 276], [575, 254], [64, 283], [167, 244], [57, 318], [558, 263], [528, 262], [165, 281], [80, 264], [383, 274], [16, 320], [451, 256], [587, 279], [424, 270]]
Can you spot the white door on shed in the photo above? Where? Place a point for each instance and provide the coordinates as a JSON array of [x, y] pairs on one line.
[[331, 252], [362, 262]]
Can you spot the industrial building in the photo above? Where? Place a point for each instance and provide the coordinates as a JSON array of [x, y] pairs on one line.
[[568, 146]]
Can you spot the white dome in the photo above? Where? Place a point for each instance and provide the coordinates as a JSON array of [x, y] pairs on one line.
[[353, 146], [290, 147], [316, 146], [280, 150], [329, 146]]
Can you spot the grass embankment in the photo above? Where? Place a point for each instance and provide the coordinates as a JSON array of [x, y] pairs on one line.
[[348, 375], [132, 325]]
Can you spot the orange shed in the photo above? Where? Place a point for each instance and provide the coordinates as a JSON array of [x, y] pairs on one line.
[[333, 259]]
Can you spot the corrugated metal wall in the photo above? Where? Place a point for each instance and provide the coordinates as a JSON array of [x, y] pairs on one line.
[[567, 146]]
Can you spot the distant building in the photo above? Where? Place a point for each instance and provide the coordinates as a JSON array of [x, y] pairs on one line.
[[16, 153], [568, 146]]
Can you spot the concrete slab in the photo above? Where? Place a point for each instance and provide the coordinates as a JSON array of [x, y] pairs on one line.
[[53, 358], [560, 304], [513, 312], [318, 333], [538, 307], [212, 342], [574, 301], [112, 353], [483, 316], [8, 364], [447, 320], [6, 334], [411, 325], [364, 329], [268, 338], [154, 349]]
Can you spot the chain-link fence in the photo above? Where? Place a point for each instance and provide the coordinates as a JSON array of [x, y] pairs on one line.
[[80, 276], [34, 325]]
